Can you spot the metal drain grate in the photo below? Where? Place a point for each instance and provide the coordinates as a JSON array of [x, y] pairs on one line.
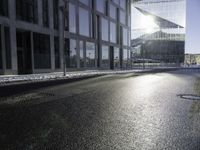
[[189, 96]]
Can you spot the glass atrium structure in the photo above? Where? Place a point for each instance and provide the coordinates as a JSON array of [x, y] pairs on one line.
[[158, 31]]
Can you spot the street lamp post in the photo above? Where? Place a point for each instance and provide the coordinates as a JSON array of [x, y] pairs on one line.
[[64, 11]]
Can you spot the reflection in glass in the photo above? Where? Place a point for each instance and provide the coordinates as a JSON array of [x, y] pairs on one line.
[[90, 55], [84, 22], [125, 36], [116, 58], [73, 58], [113, 11], [158, 31], [81, 54], [104, 29], [122, 17], [100, 5], [105, 57], [113, 37], [86, 2], [125, 58], [72, 18], [123, 4]]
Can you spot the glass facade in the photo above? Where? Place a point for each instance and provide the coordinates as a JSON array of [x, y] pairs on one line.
[[4, 7], [57, 52], [105, 57], [72, 18], [81, 48], [27, 10], [84, 22], [95, 33], [122, 17], [125, 36], [125, 58], [55, 13], [104, 29], [113, 32], [7, 47], [113, 11], [116, 58], [100, 6], [158, 30], [90, 54], [86, 2], [42, 59], [73, 54], [45, 13]]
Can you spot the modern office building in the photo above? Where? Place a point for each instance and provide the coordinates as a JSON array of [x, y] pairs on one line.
[[97, 35], [158, 31]]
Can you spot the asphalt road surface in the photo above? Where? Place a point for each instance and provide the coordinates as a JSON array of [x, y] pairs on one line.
[[118, 112]]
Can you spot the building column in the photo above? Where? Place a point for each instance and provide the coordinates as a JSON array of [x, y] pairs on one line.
[[13, 40]]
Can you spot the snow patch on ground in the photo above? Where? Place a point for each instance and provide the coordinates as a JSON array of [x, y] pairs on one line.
[[5, 79]]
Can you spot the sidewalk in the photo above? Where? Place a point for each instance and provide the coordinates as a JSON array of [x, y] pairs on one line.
[[13, 79]]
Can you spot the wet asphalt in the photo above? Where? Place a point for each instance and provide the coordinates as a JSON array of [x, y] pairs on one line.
[[114, 112]]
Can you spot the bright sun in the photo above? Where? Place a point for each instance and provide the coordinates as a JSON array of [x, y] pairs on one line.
[[148, 23]]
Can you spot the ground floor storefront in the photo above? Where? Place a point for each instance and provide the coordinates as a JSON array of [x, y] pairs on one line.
[[27, 52]]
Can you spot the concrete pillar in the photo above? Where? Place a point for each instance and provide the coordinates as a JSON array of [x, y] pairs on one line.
[[13, 40]]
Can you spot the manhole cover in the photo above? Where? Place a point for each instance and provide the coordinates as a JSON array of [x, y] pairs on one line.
[[189, 96]]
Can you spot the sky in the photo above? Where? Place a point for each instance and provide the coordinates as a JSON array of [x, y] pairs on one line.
[[193, 26]]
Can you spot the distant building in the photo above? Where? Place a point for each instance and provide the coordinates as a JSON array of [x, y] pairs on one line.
[[158, 32], [161, 47], [97, 35]]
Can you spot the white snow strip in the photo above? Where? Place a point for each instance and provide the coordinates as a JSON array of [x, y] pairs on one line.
[[59, 75]]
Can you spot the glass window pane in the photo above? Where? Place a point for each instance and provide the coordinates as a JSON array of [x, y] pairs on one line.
[[86, 2], [125, 36], [100, 5], [81, 54], [42, 59], [113, 30], [57, 52], [72, 18], [113, 11], [116, 58], [4, 7], [73, 58], [84, 22], [104, 29], [125, 58], [90, 54], [123, 4], [116, 1], [122, 17], [8, 48], [105, 57]]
